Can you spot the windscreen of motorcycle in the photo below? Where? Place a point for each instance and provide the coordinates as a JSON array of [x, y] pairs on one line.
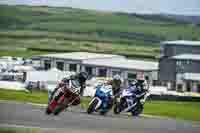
[[107, 89], [74, 86], [127, 92]]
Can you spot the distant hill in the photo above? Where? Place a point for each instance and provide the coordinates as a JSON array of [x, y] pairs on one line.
[[183, 18], [69, 29]]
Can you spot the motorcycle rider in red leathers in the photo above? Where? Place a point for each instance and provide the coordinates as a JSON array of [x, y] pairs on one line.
[[64, 84]]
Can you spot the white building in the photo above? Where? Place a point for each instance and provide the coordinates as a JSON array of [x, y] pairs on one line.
[[102, 65]]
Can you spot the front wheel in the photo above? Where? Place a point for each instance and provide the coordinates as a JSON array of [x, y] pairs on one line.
[[63, 105], [92, 106], [59, 109], [48, 111]]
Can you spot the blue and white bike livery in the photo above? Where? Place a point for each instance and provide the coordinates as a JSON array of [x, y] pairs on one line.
[[131, 101], [102, 101]]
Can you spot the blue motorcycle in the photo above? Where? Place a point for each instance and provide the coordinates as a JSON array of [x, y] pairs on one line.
[[102, 101]]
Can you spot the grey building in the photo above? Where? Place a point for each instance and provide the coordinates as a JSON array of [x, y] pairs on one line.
[[178, 59], [102, 65], [72, 61]]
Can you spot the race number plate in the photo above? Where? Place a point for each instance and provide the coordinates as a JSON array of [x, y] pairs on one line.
[[58, 92]]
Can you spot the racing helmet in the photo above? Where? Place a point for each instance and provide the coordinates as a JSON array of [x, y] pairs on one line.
[[117, 78], [65, 80], [133, 83]]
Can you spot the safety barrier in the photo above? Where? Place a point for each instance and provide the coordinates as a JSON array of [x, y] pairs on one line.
[[174, 98]]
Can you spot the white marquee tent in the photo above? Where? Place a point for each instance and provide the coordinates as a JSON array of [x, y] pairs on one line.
[[24, 68]]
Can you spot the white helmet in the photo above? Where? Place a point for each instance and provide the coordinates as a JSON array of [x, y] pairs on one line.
[[133, 83], [116, 77]]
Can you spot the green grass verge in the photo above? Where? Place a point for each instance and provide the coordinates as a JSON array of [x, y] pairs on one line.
[[16, 130], [172, 109], [22, 96]]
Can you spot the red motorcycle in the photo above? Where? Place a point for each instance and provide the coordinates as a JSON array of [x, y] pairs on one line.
[[63, 98]]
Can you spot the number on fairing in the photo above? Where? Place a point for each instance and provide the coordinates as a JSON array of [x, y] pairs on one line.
[[127, 92], [58, 92]]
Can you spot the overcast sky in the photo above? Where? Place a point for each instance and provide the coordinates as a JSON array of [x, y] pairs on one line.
[[187, 7]]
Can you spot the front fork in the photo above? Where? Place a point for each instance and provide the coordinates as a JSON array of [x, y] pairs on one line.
[[49, 96], [99, 103]]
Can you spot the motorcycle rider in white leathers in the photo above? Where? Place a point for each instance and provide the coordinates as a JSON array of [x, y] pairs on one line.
[[139, 86]]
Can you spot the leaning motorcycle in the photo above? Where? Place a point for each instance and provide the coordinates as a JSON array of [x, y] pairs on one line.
[[69, 96], [130, 102], [102, 101]]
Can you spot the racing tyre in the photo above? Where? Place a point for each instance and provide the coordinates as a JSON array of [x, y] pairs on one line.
[[92, 106], [138, 111], [58, 110], [120, 106], [116, 108], [48, 111], [103, 112]]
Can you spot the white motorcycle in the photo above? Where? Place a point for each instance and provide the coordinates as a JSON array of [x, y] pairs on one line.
[[131, 102]]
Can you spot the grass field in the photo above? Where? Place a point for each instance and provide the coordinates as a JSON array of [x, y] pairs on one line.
[[87, 30], [22, 96], [173, 109], [16, 130]]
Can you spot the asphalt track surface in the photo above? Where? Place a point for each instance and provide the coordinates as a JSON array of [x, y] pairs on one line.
[[30, 116]]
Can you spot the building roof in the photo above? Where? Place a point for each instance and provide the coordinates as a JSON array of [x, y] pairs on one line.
[[187, 57], [182, 42], [81, 56], [192, 76], [125, 64]]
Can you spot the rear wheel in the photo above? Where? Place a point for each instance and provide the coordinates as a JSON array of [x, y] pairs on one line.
[[61, 107], [138, 110], [120, 106], [92, 106], [58, 110], [103, 112]]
